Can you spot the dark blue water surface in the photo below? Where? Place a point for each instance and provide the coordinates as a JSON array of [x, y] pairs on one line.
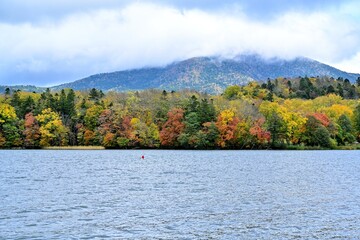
[[179, 194]]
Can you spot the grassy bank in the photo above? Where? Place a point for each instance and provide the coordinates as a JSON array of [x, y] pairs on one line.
[[349, 147], [74, 148], [355, 146]]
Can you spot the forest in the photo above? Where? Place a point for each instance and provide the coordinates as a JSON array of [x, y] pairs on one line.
[[297, 113]]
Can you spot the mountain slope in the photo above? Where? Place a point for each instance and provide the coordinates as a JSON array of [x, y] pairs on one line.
[[202, 74], [261, 69], [25, 88], [207, 74]]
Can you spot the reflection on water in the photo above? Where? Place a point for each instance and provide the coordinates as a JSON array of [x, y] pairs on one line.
[[179, 194]]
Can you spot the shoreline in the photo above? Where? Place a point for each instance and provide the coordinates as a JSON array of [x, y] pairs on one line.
[[290, 148], [74, 148]]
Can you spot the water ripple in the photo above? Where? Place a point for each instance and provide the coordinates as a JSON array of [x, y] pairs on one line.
[[179, 195]]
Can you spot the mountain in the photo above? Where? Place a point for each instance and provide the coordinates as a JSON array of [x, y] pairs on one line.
[[204, 74], [25, 88], [260, 69], [207, 74]]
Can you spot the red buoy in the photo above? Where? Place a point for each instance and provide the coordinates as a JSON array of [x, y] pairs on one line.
[[142, 157]]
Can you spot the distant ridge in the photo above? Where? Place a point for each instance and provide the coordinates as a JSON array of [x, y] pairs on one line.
[[207, 74], [25, 88], [201, 73], [261, 69]]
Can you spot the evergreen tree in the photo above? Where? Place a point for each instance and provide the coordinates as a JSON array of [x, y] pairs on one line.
[[26, 106], [193, 105], [101, 94], [7, 91], [50, 101], [270, 85], [330, 89], [206, 111], [340, 90], [269, 97], [289, 84], [352, 92], [93, 94], [306, 86], [62, 103], [275, 126], [70, 103], [16, 102]]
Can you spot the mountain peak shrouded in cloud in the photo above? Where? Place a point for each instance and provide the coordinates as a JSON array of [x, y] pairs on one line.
[[207, 74], [50, 42]]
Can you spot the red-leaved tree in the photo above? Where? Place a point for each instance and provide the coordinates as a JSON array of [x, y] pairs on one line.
[[31, 131], [172, 128]]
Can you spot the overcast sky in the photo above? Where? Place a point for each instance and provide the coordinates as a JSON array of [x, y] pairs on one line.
[[45, 42]]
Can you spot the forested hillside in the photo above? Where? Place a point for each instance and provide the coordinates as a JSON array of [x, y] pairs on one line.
[[281, 113], [207, 74]]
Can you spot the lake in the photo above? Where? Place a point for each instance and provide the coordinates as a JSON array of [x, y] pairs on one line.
[[49, 194]]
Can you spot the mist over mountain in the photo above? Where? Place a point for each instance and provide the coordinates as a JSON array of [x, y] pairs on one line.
[[260, 69], [207, 74]]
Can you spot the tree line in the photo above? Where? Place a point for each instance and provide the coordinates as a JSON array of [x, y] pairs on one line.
[[281, 113]]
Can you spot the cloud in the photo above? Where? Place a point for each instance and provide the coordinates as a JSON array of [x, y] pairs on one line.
[[350, 64], [144, 34], [40, 10]]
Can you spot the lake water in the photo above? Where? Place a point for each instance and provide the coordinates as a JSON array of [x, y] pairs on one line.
[[179, 194]]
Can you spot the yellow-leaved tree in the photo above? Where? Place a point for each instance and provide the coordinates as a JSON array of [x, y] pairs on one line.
[[52, 130], [283, 125], [227, 125], [9, 130]]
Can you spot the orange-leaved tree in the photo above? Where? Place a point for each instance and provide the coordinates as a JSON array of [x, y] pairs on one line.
[[31, 132], [172, 128], [227, 125]]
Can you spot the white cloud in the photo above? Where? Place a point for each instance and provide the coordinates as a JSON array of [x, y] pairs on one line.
[[350, 65], [150, 35]]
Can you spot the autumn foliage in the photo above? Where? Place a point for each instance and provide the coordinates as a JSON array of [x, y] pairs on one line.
[[276, 114], [322, 118], [172, 127], [227, 125], [32, 132]]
